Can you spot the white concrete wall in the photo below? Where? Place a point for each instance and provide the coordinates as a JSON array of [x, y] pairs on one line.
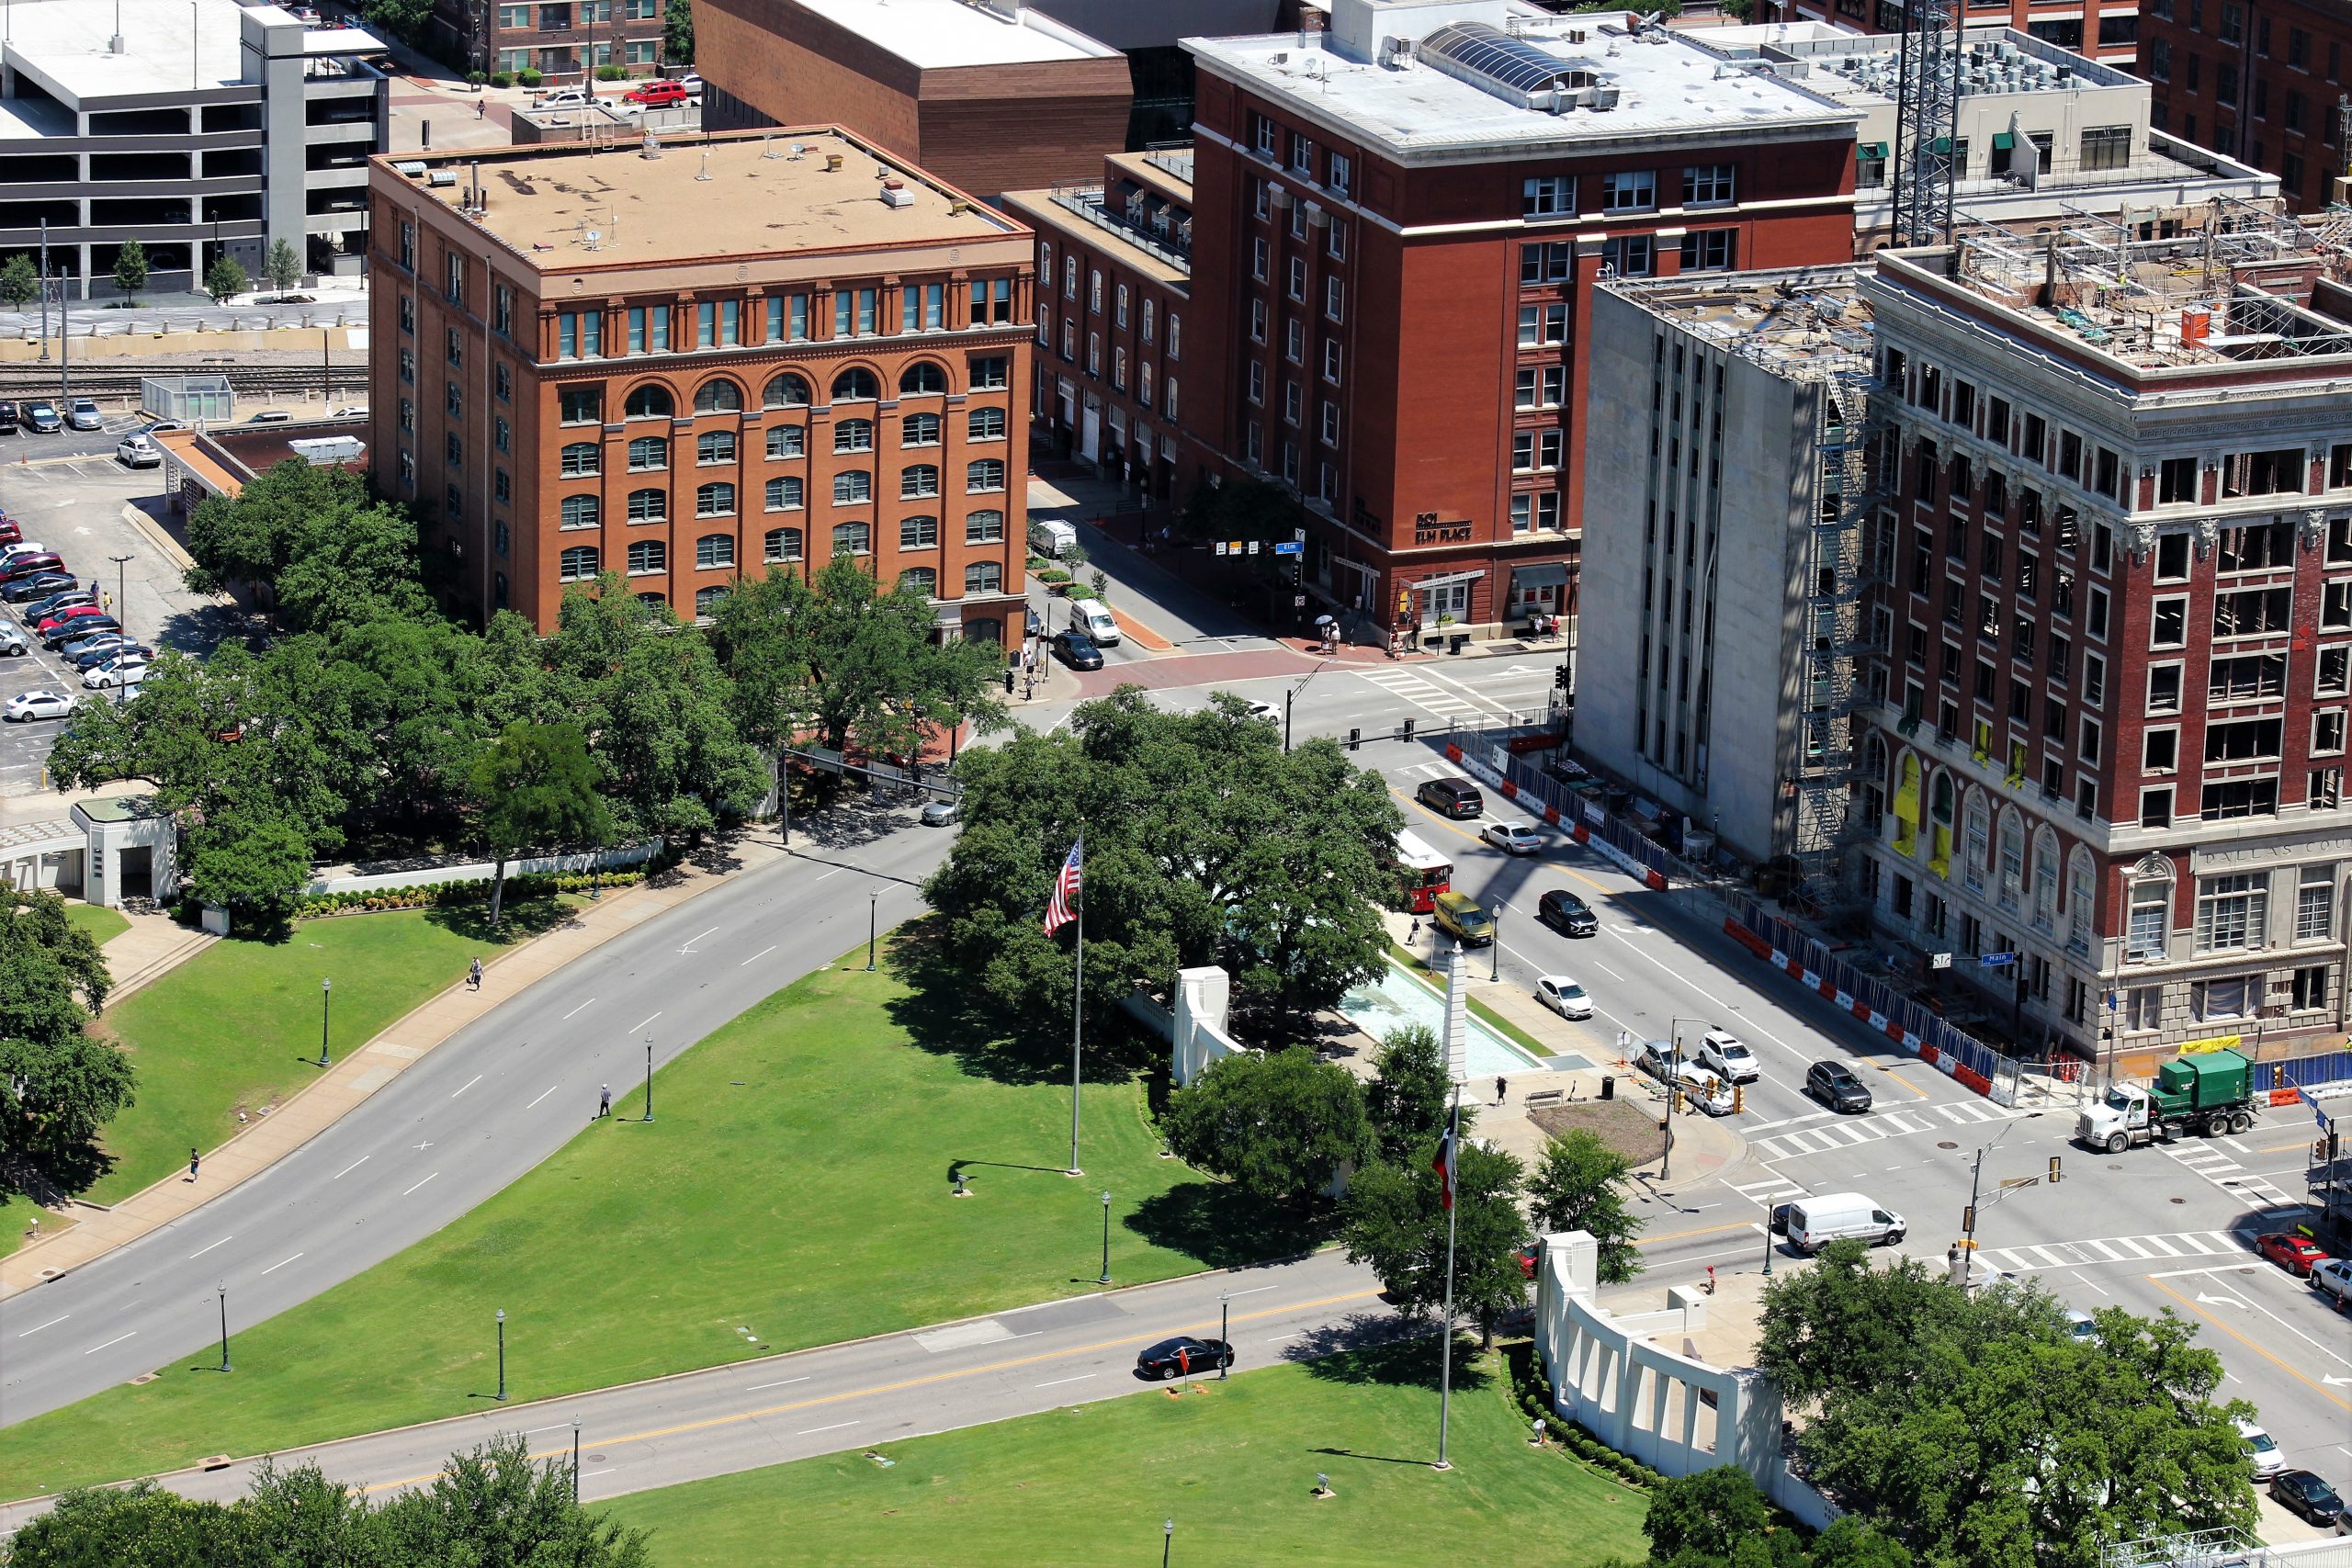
[[482, 869], [1201, 997]]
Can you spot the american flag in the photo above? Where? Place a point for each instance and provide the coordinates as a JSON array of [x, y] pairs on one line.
[[1063, 909]]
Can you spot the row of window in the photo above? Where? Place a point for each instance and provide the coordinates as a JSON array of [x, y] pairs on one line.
[[1148, 322], [2233, 912], [716, 552], [581, 458], [786, 492], [585, 405], [1337, 169], [1627, 191], [774, 320]]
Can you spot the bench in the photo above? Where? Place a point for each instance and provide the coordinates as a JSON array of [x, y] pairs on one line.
[[1542, 1097]]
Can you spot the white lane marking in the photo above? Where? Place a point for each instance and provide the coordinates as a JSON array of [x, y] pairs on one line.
[[581, 1008], [96, 1349], [2085, 1280], [1278, 1338], [466, 1085], [1612, 974], [808, 1431], [559, 1426], [757, 956], [835, 871], [1789, 1121], [280, 1264], [2216, 1268], [1251, 1291], [635, 1027], [347, 1169], [36, 1327], [543, 1094], [757, 1386], [689, 947], [420, 1184], [1058, 1382], [202, 1251]]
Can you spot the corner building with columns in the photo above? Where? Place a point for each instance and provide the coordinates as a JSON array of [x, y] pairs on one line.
[[691, 361]]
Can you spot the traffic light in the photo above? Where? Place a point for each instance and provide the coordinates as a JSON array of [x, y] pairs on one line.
[[1560, 678], [1738, 1103], [2053, 1170], [1355, 738]]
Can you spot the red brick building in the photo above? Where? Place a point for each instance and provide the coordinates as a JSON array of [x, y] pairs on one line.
[[2104, 30], [1395, 230], [2259, 80], [989, 98], [2119, 634], [1114, 268], [703, 359], [559, 39]]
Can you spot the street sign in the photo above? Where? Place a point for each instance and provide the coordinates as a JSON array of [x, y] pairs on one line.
[[1288, 548], [1299, 601], [1220, 546], [1253, 546], [1939, 961], [1995, 960], [1299, 535]]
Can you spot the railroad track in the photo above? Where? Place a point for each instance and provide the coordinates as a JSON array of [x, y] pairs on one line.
[[120, 379]]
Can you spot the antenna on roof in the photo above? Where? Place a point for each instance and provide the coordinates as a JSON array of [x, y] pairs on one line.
[[767, 146], [706, 165]]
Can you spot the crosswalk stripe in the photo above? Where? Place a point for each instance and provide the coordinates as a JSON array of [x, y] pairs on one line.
[[2133, 1248], [2160, 1245], [2112, 1255]]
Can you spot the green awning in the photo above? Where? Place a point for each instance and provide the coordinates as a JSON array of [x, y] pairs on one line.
[[1873, 149], [2003, 142]]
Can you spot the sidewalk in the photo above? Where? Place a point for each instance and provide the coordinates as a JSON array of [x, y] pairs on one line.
[[152, 948], [97, 1230]]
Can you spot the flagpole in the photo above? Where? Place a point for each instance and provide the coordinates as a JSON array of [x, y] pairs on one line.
[[1076, 1010], [1445, 1332]]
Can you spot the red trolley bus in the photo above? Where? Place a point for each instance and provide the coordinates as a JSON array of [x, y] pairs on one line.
[[1427, 873]]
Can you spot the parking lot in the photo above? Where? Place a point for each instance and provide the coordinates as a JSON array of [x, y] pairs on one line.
[[67, 491]]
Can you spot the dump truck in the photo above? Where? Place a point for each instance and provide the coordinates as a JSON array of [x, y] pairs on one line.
[[2211, 1093]]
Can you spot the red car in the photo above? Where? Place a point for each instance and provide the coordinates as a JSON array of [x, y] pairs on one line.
[[71, 613], [10, 534], [657, 95], [2293, 1253]]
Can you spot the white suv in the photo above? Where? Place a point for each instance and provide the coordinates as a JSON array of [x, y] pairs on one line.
[[1728, 1054]]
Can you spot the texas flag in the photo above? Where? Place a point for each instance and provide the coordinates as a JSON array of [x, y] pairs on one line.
[[1444, 1166]]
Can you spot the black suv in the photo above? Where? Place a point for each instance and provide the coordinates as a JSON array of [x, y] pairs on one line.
[[1567, 914], [8, 416], [1835, 1085], [1451, 797]]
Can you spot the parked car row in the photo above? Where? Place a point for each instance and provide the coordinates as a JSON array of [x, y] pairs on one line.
[[69, 619], [43, 416]]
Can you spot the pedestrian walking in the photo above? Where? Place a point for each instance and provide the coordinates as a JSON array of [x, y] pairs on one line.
[[473, 973], [1416, 932], [482, 108], [605, 1105], [1502, 1088], [191, 1165]]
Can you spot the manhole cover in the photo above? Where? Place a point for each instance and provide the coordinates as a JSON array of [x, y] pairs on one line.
[[595, 1459], [1947, 1143], [142, 1377]]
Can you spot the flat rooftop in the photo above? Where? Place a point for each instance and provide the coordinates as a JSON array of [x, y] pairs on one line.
[[1861, 68], [767, 192], [1800, 323], [1663, 82], [168, 46], [2223, 297], [939, 35]]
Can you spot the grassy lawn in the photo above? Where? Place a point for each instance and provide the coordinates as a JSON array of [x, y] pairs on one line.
[[797, 1184], [229, 1029], [103, 924], [1233, 1468]]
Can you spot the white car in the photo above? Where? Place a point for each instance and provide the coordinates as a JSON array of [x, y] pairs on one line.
[[1513, 838], [2262, 1455], [692, 83], [1268, 712], [564, 98], [31, 706], [118, 672], [2333, 1277], [1564, 997], [1727, 1053], [82, 413], [138, 452]]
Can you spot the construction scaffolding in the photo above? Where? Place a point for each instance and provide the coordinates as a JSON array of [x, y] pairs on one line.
[[1926, 123]]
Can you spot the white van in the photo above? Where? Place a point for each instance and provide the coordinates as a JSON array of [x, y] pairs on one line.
[[1816, 1221], [1093, 618], [1051, 537]]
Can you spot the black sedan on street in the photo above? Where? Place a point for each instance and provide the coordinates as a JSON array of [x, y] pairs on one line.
[[1076, 650], [1175, 1358], [2307, 1495]]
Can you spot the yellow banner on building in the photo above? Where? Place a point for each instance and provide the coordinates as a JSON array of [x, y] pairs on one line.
[[2211, 1043]]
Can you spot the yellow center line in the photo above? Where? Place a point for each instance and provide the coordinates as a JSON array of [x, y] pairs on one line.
[[904, 1383], [2291, 1370], [2281, 1148]]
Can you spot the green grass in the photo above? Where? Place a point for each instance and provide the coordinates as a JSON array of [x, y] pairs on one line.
[[228, 1029], [103, 924], [1233, 1467], [796, 1183]]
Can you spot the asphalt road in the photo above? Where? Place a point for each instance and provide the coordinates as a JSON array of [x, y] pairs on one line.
[[464, 1120], [869, 1392]]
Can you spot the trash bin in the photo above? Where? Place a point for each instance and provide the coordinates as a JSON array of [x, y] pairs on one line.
[[1608, 1085], [1457, 641]]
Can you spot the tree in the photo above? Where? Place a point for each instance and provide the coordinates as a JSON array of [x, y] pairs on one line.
[[1708, 1513], [1279, 1126], [20, 280], [536, 787], [130, 269], [253, 861], [280, 263], [1579, 1186], [1205, 844], [1973, 1428], [678, 32], [404, 19], [224, 280], [56, 1097], [138, 1526], [1410, 1093], [1393, 1220]]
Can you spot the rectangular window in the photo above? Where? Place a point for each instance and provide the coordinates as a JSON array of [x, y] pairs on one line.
[[2107, 146], [1707, 185], [2315, 903], [1709, 250], [1632, 190], [707, 323], [1548, 196]]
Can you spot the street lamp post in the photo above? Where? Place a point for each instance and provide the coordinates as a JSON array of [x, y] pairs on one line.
[[575, 1463], [501, 1353], [1495, 947], [1167, 1539], [224, 1325], [1225, 1334], [872, 921], [326, 996], [1105, 1278], [649, 1079]]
